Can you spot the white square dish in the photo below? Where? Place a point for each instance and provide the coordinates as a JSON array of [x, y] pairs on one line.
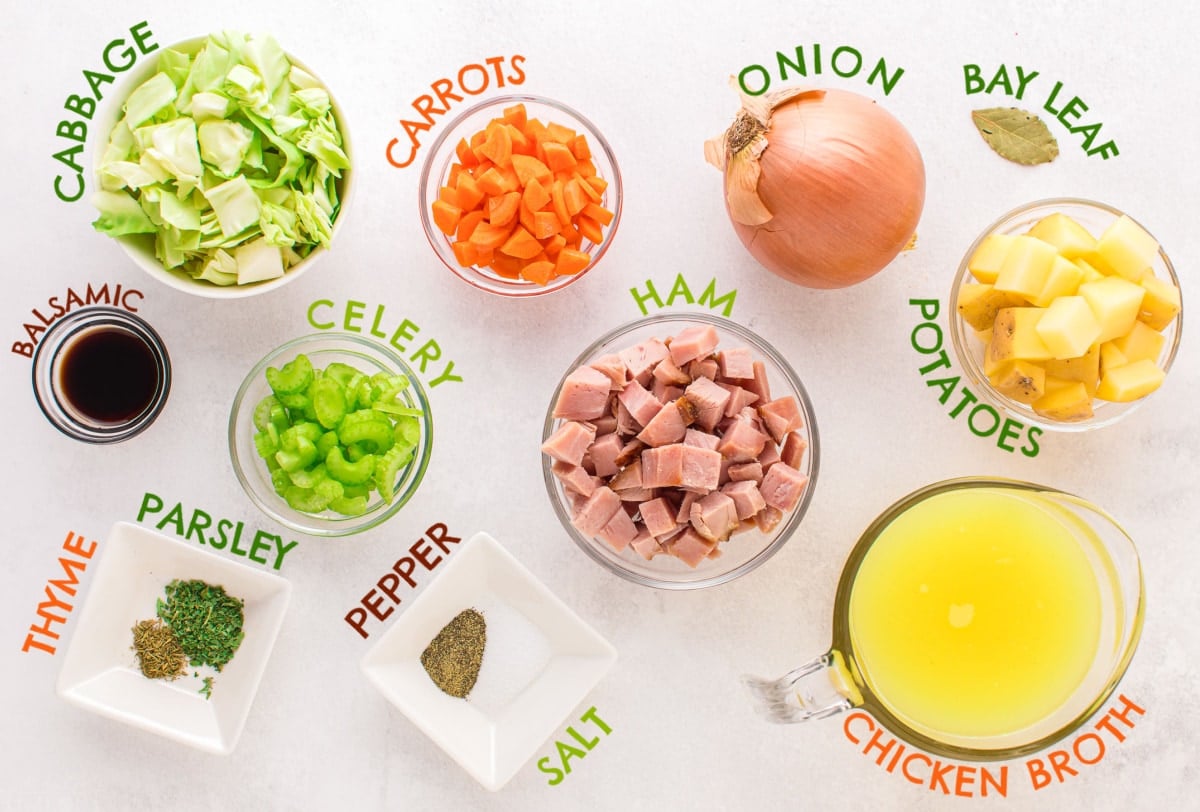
[[100, 671], [539, 662]]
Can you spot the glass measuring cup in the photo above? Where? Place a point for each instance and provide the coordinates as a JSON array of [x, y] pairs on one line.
[[976, 618]]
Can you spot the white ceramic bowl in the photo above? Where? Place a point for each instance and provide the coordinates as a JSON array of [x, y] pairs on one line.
[[539, 662], [140, 247], [100, 672]]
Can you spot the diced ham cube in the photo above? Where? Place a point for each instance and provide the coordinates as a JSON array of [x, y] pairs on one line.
[[619, 531], [714, 516], [746, 496], [681, 466], [709, 400], [658, 516], [781, 416], [683, 513], [641, 359], [626, 425], [739, 398], [603, 454], [759, 384], [605, 425], [704, 368], [665, 392], [783, 486], [642, 405], [736, 362], [742, 442], [691, 548], [629, 477], [584, 395], [631, 451], [574, 478], [665, 427], [693, 342], [646, 545], [793, 449], [701, 439], [768, 519], [768, 457], [597, 511], [612, 366], [746, 472], [570, 442], [636, 496], [701, 469], [668, 372]]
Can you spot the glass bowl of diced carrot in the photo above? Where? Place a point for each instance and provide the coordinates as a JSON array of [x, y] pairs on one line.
[[680, 451], [520, 196]]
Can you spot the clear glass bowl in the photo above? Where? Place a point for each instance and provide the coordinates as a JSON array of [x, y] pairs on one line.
[[140, 247], [1095, 217], [744, 551], [323, 349], [437, 170]]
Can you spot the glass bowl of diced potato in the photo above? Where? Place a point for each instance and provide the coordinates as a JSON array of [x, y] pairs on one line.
[[680, 451], [1066, 313]]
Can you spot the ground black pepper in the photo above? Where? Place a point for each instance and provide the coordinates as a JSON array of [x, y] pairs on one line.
[[452, 659]]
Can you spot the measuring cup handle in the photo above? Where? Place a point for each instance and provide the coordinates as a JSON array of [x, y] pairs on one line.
[[807, 692]]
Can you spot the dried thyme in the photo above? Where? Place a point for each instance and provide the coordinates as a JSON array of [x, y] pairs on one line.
[[207, 622], [158, 651], [452, 659]]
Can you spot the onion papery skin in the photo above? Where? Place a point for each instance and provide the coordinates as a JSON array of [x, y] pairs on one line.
[[845, 183]]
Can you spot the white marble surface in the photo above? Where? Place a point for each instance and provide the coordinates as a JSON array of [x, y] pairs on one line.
[[319, 737]]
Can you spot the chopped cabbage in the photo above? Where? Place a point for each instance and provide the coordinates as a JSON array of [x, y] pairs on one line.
[[229, 158]]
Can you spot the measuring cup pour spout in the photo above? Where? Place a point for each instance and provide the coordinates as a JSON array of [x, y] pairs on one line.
[[812, 691]]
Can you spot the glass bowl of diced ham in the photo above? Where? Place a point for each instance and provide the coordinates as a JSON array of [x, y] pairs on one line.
[[680, 451]]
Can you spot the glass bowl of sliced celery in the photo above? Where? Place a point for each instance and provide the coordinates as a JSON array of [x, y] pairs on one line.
[[330, 434], [224, 168]]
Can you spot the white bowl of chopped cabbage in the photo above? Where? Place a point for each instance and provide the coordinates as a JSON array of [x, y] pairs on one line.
[[227, 168]]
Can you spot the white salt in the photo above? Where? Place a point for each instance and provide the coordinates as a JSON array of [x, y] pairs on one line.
[[514, 655]]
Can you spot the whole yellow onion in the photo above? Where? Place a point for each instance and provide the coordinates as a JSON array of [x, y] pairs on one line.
[[824, 187]]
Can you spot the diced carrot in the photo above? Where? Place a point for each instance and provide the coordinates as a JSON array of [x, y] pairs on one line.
[[538, 272], [573, 197], [553, 245], [505, 265], [465, 253], [467, 225], [598, 183], [598, 213], [478, 138], [587, 189], [580, 148], [574, 238], [590, 229], [521, 244], [525, 216], [484, 256], [487, 235], [492, 182], [446, 216], [449, 195], [559, 203], [545, 224], [469, 193], [516, 115], [529, 167], [502, 210], [521, 143], [497, 147], [559, 157], [512, 183], [585, 167], [570, 261], [466, 156], [456, 171], [559, 133], [535, 197]]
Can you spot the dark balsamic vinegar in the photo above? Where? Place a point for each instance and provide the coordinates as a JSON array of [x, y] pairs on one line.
[[109, 375]]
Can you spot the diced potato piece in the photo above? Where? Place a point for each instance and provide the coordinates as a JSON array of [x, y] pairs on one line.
[[1085, 369], [1142, 343], [1127, 248], [985, 263], [1090, 274], [1111, 358], [1069, 237], [1064, 280], [1067, 403], [1068, 328], [1015, 336], [1053, 383], [1130, 382], [978, 304], [1026, 267], [1115, 302], [1022, 381], [1161, 303]]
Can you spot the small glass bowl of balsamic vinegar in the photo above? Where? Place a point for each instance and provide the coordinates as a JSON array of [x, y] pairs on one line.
[[101, 375]]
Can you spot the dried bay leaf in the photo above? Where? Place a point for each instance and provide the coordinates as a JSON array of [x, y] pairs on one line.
[[1016, 135]]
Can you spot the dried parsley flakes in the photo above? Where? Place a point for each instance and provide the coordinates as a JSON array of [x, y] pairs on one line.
[[207, 622], [453, 658]]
